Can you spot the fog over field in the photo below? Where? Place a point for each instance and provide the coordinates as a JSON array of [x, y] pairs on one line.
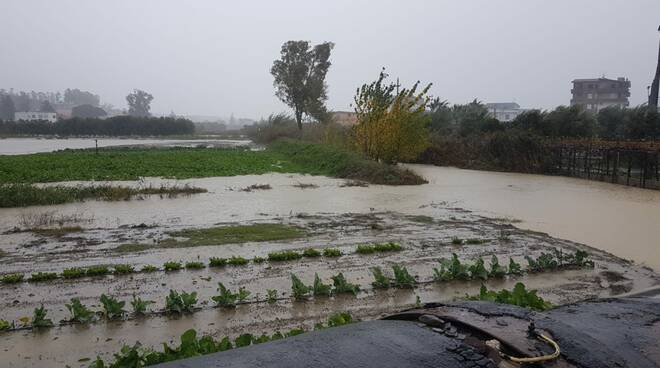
[[213, 57]]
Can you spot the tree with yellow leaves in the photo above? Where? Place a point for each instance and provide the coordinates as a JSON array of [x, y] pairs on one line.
[[392, 124]]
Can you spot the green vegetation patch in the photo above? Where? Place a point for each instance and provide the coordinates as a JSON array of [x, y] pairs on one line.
[[22, 195], [233, 234], [518, 296]]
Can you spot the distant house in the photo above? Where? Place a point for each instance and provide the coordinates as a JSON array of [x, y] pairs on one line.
[[504, 111], [35, 115], [599, 93], [345, 118]]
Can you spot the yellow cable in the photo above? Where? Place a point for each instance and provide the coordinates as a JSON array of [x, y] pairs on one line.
[[539, 359]]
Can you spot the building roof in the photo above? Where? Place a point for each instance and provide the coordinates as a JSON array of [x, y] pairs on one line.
[[600, 80], [503, 106]]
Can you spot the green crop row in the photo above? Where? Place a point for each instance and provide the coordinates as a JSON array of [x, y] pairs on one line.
[[191, 345]]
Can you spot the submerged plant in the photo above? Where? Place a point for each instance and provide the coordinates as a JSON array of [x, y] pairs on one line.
[[311, 253], [39, 319], [380, 281], [271, 296], [180, 303], [172, 266], [97, 271], [228, 299], [478, 270], [288, 255], [451, 270], [123, 269], [319, 288], [195, 265], [496, 271], [139, 305], [73, 273], [514, 268], [331, 252], [402, 278], [237, 261], [300, 290], [341, 286], [112, 308], [12, 278], [79, 312], [42, 276], [217, 262]]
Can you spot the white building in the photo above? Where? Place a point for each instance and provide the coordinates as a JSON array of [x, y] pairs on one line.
[[35, 115], [504, 111]]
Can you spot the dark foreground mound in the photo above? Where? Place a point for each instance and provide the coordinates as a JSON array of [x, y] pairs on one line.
[[602, 333]]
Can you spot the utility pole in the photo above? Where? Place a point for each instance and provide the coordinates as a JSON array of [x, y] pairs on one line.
[[653, 96]]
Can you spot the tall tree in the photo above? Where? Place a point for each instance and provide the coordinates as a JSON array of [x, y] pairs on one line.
[[78, 97], [300, 77], [139, 103], [7, 108], [46, 107]]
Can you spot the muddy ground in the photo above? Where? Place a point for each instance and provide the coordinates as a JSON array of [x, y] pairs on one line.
[[426, 239]]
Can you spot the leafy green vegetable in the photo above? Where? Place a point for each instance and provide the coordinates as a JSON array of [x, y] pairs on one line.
[[519, 296], [11, 278], [237, 261], [380, 281], [311, 253], [217, 262], [172, 266], [478, 270], [123, 269], [195, 265], [258, 260], [180, 303], [39, 319], [319, 288], [271, 296], [514, 268], [228, 299], [42, 276], [288, 255], [139, 305], [341, 286], [79, 312], [402, 278], [331, 252], [149, 269], [112, 308], [97, 271], [496, 271], [73, 273], [300, 290]]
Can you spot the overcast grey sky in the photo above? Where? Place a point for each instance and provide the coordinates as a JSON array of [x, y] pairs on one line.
[[213, 57]]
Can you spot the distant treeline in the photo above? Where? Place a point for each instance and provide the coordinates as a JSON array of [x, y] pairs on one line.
[[115, 126]]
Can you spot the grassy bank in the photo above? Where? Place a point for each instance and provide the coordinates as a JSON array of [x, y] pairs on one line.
[[21, 195], [182, 163]]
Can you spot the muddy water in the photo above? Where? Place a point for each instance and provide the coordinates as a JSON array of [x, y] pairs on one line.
[[618, 219], [22, 146]]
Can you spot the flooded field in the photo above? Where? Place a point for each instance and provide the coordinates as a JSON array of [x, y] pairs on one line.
[[23, 146], [469, 213]]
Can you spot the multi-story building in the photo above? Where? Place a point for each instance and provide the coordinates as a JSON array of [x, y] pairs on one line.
[[599, 93], [504, 111]]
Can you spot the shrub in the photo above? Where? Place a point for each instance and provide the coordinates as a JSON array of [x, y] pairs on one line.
[[79, 312], [341, 286], [284, 256], [332, 252], [172, 266], [97, 271], [42, 276], [139, 305], [12, 278], [311, 253], [380, 281], [319, 288], [195, 265], [180, 303], [237, 261], [402, 278], [39, 319], [217, 262], [300, 290], [112, 308], [73, 273], [123, 269]]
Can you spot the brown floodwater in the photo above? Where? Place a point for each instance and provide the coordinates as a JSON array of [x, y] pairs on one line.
[[622, 220]]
